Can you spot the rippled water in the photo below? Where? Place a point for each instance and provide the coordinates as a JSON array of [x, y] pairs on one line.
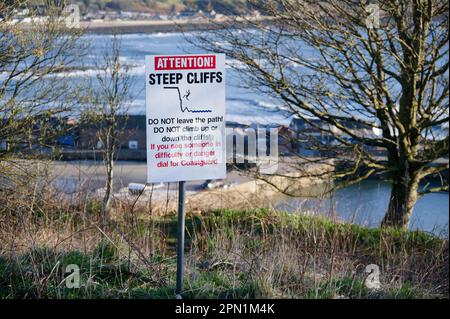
[[366, 203]]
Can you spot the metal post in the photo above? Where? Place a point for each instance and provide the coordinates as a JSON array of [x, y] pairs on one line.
[[180, 248]]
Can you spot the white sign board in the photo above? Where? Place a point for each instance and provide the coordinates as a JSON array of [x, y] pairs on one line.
[[185, 107]]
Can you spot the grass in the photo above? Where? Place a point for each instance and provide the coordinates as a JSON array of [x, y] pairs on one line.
[[229, 254]]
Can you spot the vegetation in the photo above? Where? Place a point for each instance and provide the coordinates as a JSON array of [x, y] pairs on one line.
[[229, 254], [107, 98], [33, 99]]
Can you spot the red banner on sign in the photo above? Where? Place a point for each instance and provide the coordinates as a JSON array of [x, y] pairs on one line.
[[189, 62]]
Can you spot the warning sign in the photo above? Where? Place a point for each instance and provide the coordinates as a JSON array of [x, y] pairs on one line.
[[185, 110]]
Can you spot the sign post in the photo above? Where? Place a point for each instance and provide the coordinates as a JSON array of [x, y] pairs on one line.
[[185, 114], [180, 235]]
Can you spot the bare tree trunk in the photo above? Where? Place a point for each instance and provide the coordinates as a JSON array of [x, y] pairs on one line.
[[109, 165], [403, 197], [109, 187]]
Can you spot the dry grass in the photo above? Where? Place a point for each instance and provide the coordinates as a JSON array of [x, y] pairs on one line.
[[230, 253]]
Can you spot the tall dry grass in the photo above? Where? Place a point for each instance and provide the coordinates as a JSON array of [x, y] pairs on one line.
[[257, 253]]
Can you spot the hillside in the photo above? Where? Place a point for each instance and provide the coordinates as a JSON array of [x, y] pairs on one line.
[[229, 254]]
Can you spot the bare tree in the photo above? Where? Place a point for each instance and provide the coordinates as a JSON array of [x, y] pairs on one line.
[[371, 79], [109, 99], [35, 48]]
